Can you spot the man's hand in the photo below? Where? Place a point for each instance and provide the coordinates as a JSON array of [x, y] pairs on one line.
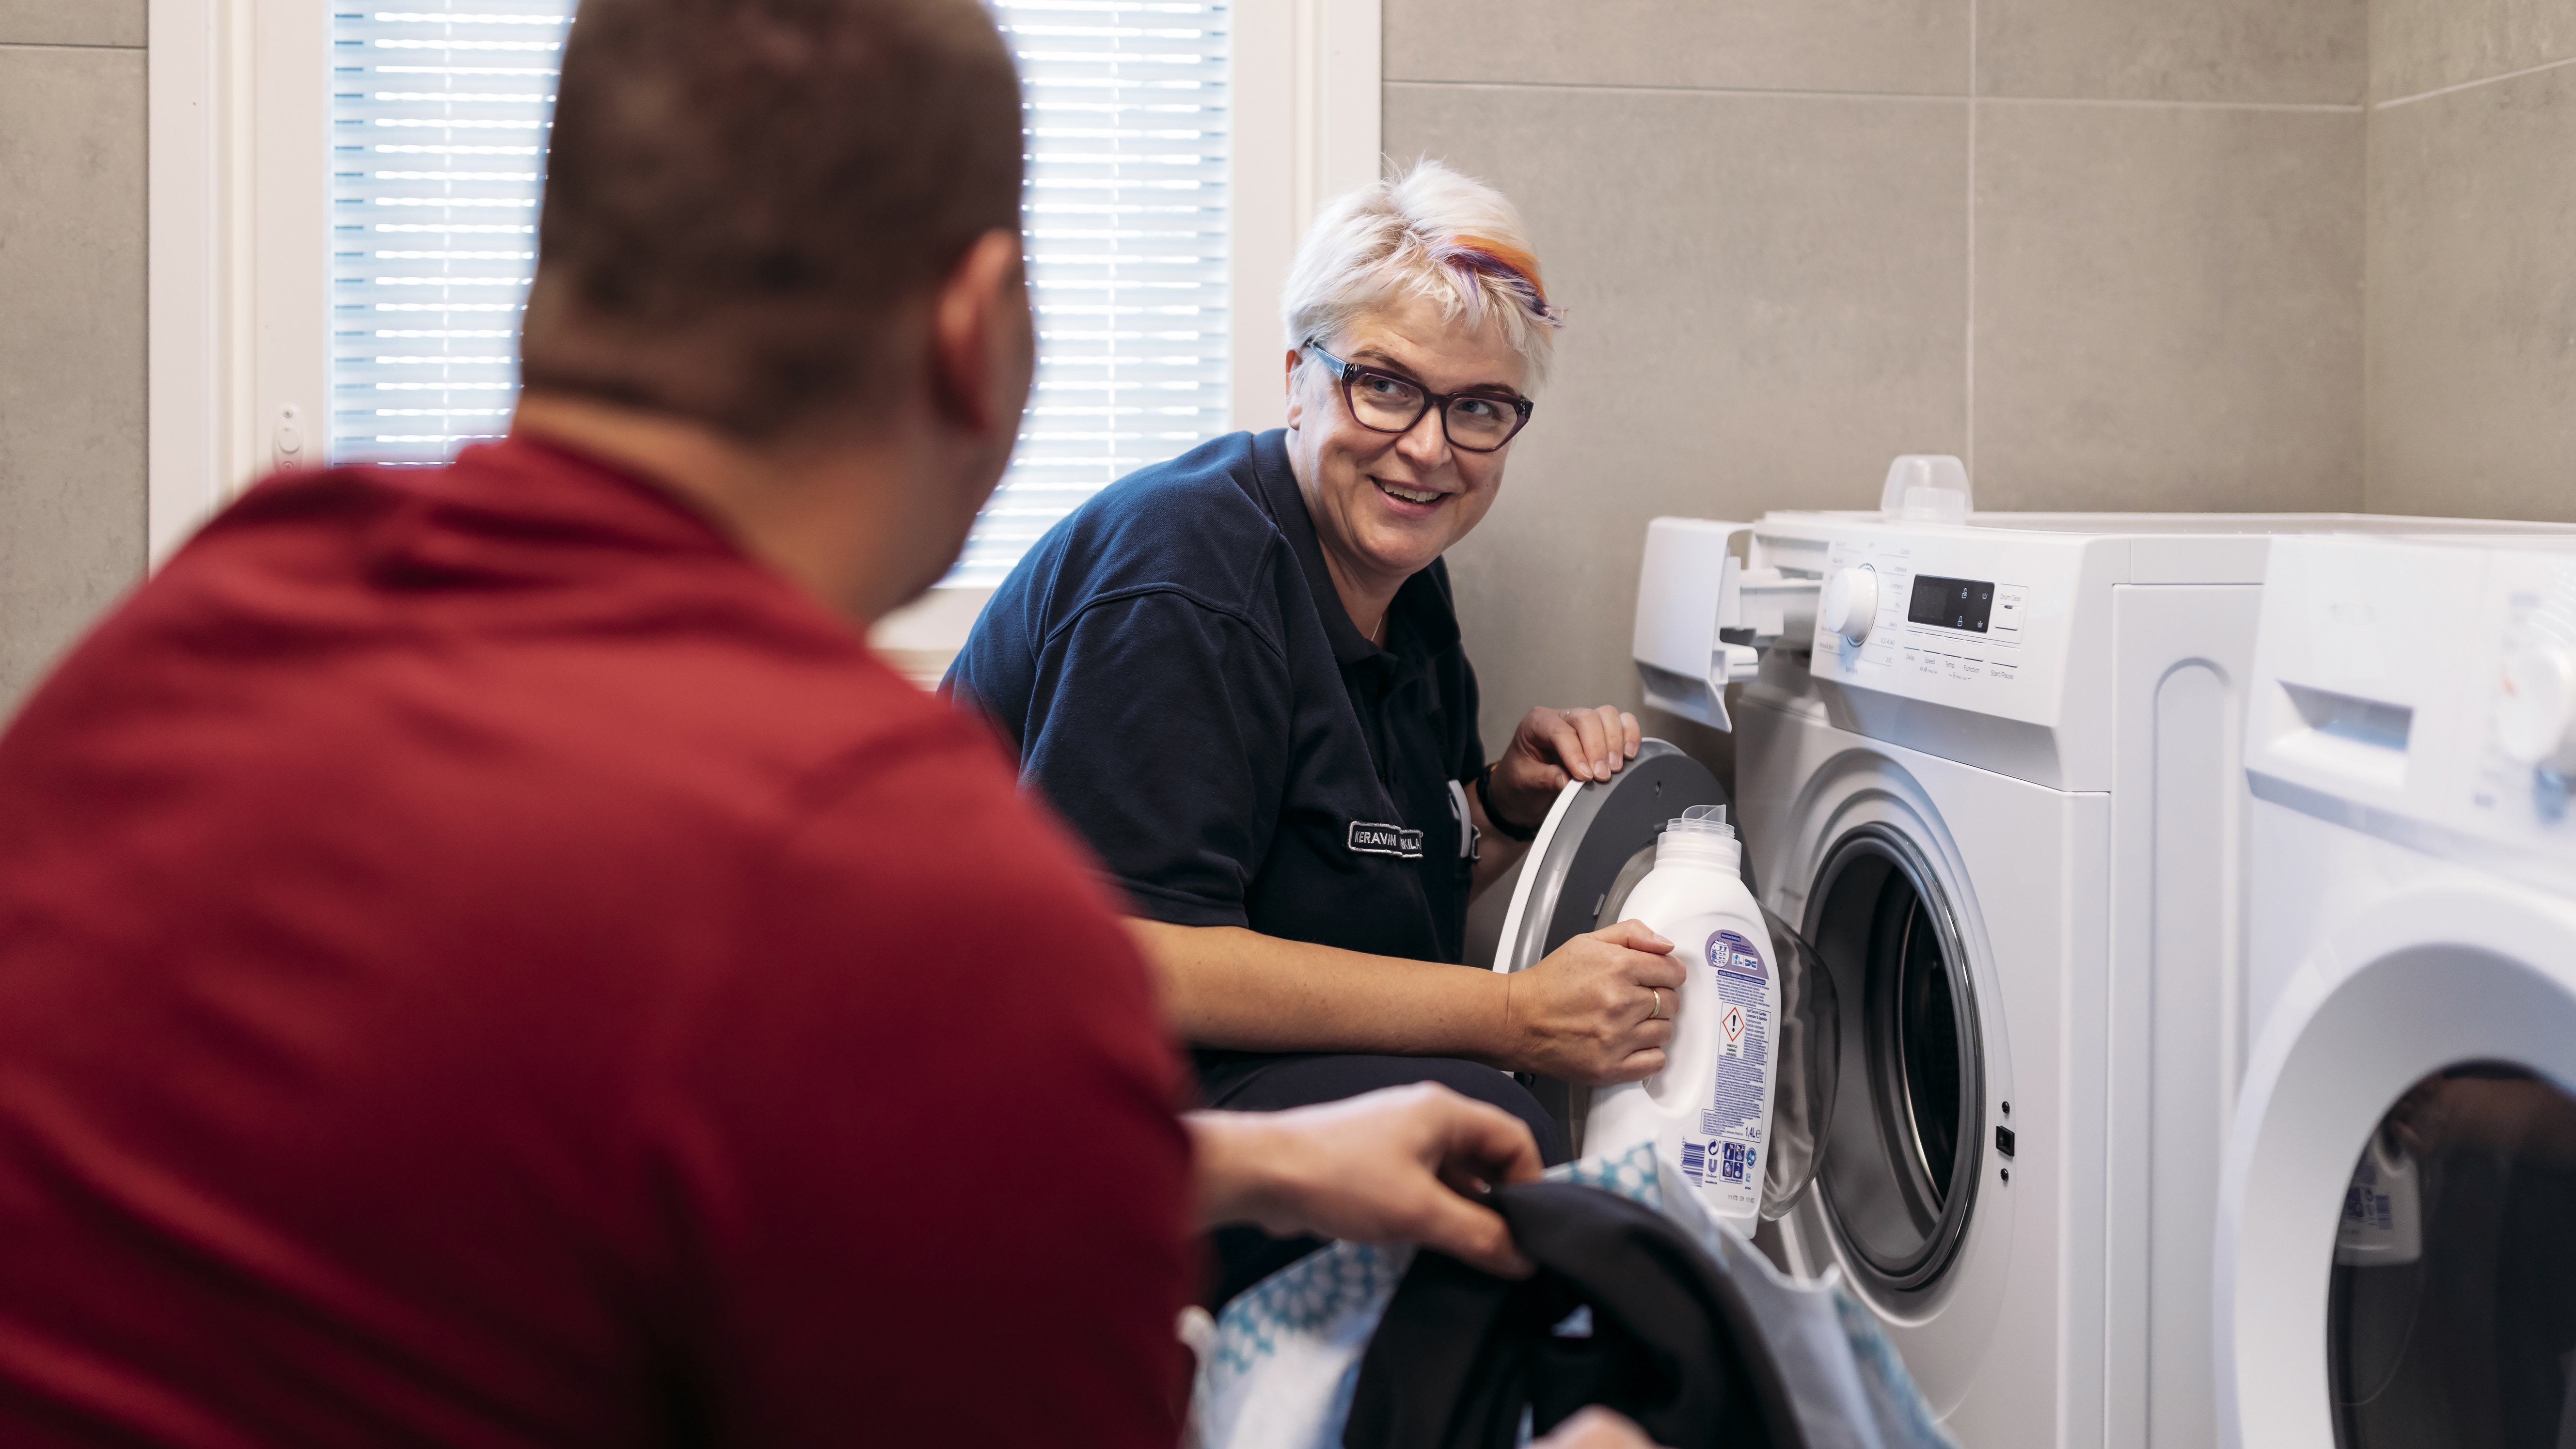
[[1390, 1166], [1596, 1428], [1589, 1013], [1553, 746]]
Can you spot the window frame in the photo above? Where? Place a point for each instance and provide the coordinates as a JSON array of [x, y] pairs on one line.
[[239, 276]]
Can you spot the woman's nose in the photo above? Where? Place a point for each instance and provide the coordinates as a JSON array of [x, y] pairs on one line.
[[1426, 444]]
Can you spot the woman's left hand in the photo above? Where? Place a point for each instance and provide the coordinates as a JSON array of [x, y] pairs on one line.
[[1553, 746]]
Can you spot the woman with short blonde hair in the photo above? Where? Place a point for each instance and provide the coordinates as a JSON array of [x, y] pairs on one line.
[[1238, 675]]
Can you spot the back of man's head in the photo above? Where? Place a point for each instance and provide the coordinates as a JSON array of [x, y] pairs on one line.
[[746, 199]]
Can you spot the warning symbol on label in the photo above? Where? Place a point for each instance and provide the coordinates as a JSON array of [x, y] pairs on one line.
[[1732, 1023]]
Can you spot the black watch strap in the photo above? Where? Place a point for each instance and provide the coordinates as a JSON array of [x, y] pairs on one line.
[[1493, 817]]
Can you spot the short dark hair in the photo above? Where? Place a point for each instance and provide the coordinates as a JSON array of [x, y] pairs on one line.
[[740, 194]]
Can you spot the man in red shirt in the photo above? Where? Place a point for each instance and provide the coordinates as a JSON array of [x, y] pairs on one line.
[[488, 957]]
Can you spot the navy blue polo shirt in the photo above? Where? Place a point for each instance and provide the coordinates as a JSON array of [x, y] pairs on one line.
[[1183, 685]]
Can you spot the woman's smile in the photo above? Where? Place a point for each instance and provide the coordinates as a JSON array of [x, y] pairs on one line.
[[1410, 502]]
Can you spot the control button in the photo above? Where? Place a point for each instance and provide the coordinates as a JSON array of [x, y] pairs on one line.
[[2538, 706], [2010, 600], [1850, 604]]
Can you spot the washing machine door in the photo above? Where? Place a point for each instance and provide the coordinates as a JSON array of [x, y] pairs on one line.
[[1596, 844], [1598, 841], [2397, 1253], [1898, 1176]]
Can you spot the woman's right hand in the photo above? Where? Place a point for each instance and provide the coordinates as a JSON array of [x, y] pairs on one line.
[[1588, 1012]]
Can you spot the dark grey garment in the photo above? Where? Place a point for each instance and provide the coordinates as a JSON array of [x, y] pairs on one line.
[[1666, 1338]]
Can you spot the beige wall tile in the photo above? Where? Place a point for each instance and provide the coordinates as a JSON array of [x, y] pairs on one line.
[[2473, 302], [71, 22], [2422, 45], [2174, 50], [1902, 46], [2168, 307], [1768, 300], [71, 346]]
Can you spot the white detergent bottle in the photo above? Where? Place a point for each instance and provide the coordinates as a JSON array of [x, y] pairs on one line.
[[1708, 1112], [2383, 1208]]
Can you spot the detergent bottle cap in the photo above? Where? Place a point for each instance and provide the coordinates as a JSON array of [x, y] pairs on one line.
[[1700, 833]]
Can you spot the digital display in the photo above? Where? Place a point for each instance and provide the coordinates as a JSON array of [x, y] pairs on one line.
[[1951, 603]]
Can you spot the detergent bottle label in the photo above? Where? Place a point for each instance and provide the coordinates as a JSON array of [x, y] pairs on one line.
[[1721, 1152], [2383, 1216]]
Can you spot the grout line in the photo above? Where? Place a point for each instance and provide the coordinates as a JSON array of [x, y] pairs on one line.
[[1682, 90], [1970, 442], [2323, 107], [2474, 84], [64, 45]]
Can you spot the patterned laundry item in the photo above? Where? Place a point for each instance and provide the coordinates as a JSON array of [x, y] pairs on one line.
[[1279, 1367]]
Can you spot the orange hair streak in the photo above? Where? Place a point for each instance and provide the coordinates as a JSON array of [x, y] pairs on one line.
[[1483, 254]]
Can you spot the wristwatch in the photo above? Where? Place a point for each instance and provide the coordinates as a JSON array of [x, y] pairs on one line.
[[1494, 817]]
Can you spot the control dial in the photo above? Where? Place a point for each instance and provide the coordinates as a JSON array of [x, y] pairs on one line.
[[2537, 713], [1850, 604]]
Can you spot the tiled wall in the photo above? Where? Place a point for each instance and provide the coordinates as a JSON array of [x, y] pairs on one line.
[[2109, 251], [71, 322], [2472, 247]]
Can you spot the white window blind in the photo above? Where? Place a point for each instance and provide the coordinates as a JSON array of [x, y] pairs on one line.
[[1126, 215], [438, 119], [438, 138]]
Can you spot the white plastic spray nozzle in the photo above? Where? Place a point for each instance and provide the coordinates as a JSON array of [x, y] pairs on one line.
[[1702, 822]]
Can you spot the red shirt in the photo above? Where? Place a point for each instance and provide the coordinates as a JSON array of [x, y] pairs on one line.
[[484, 963]]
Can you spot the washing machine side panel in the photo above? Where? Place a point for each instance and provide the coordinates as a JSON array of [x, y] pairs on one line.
[[2182, 659]]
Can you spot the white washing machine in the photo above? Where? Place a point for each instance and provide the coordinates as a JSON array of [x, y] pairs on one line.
[[2000, 791], [2397, 1229]]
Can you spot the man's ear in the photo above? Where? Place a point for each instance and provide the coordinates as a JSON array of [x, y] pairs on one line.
[[982, 339]]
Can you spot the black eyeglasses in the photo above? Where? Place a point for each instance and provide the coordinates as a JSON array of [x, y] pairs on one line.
[[1382, 402]]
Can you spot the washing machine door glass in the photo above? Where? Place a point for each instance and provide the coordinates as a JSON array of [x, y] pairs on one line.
[[1899, 1172], [2452, 1316]]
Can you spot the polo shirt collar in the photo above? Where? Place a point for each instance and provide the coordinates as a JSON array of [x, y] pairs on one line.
[[1421, 603]]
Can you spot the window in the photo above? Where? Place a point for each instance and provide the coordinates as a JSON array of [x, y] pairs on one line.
[[438, 121], [337, 271], [1127, 112]]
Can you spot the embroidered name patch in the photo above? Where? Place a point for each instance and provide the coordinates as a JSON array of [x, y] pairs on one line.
[[1392, 840]]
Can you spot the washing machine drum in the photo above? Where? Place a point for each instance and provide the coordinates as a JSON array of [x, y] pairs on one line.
[[1900, 1158], [2451, 1316]]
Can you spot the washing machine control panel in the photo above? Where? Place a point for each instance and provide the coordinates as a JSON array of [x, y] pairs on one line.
[[2431, 684], [1947, 616]]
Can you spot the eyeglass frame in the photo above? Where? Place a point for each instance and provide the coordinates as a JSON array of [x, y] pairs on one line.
[[1343, 371]]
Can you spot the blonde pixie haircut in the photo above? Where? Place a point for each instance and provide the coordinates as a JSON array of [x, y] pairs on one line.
[[1429, 233]]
